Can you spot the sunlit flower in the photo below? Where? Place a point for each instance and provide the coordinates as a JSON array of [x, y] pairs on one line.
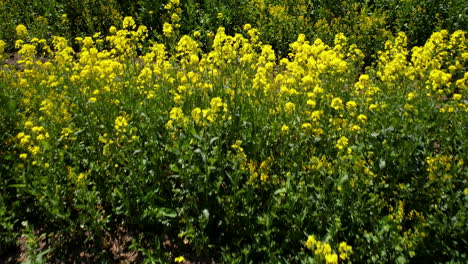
[[21, 31], [167, 29], [342, 142], [289, 107], [337, 103], [128, 22]]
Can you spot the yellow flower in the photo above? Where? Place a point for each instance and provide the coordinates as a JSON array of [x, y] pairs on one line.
[[457, 97], [34, 150], [167, 29], [344, 250], [176, 113], [120, 123], [284, 129], [128, 22], [179, 259], [316, 115], [411, 96], [175, 17], [264, 177], [372, 107], [217, 104], [21, 31], [81, 176], [312, 103], [28, 124], [355, 128], [337, 103], [362, 118], [351, 105], [310, 243], [197, 115], [25, 140], [306, 126], [2, 48], [289, 107], [23, 156], [331, 258], [342, 142]]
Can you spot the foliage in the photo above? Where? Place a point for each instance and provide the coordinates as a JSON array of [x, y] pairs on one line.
[[213, 146], [367, 24]]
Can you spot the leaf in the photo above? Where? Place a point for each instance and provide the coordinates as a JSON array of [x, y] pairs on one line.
[[18, 186], [167, 212], [343, 179], [280, 190], [401, 259], [382, 164], [213, 140], [174, 168]]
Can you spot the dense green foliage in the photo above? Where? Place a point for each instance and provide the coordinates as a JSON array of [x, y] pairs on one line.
[[217, 131], [366, 23]]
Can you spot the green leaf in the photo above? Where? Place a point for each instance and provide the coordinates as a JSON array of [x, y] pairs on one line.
[[280, 190]]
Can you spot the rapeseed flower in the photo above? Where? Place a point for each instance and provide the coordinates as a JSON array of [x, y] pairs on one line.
[[167, 29], [120, 124], [342, 142], [337, 103], [289, 107], [21, 31], [179, 259], [351, 105], [310, 243], [128, 22], [362, 118], [331, 258]]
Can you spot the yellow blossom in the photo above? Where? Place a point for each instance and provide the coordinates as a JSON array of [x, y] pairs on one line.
[[310, 243], [306, 126], [167, 29], [81, 176], [179, 259], [21, 31], [351, 105], [176, 113], [337, 103], [355, 127], [331, 258], [128, 22], [289, 107], [344, 250], [312, 103], [362, 118], [120, 123], [342, 142]]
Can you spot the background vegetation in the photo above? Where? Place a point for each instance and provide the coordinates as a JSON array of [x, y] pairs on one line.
[[233, 131], [366, 23]]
